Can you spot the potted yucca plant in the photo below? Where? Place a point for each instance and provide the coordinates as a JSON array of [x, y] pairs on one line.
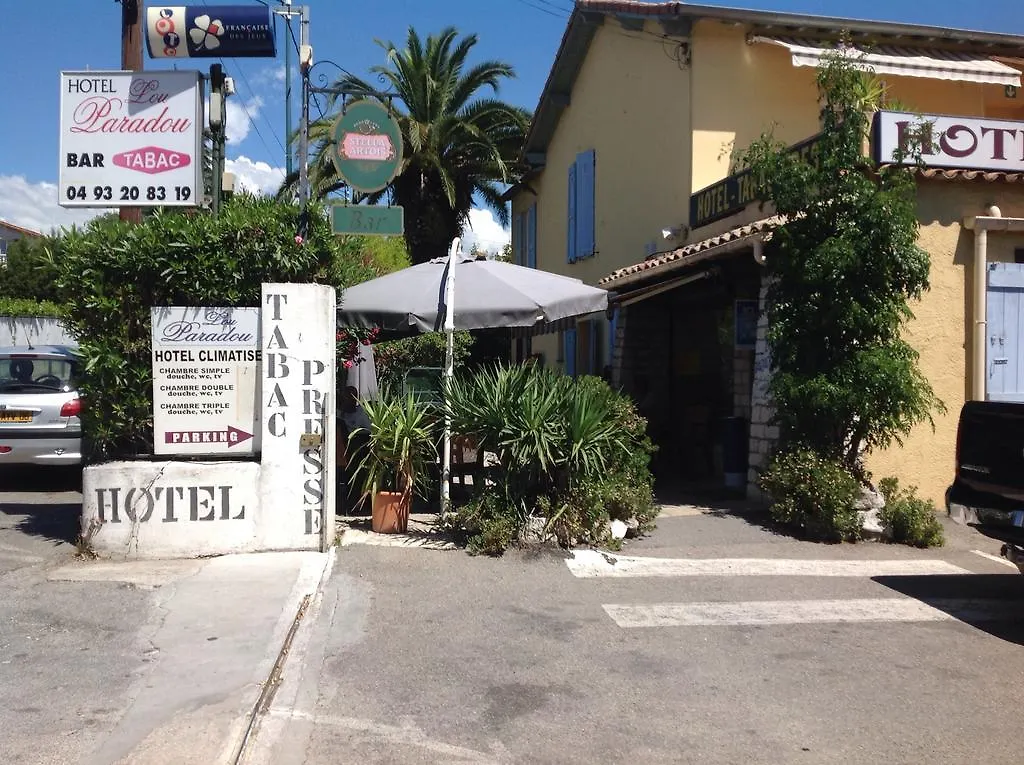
[[393, 461]]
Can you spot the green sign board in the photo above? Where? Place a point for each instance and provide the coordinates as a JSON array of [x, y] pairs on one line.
[[367, 147], [368, 220], [732, 194]]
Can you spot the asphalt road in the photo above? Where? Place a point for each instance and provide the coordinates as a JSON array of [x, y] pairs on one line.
[[68, 651], [129, 662], [870, 654]]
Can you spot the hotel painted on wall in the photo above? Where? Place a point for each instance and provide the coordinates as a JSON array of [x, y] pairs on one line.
[[632, 187]]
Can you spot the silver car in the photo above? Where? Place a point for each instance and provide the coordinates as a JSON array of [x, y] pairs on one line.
[[40, 406]]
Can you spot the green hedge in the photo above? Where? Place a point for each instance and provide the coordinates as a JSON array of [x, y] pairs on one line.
[[26, 307], [111, 273]]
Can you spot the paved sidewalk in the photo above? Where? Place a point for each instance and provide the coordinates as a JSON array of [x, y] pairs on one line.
[[206, 640]]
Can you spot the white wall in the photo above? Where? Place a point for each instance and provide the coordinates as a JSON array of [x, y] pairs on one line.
[[34, 330], [171, 509], [299, 364]]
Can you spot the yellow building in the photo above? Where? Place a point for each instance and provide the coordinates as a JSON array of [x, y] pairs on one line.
[[631, 153]]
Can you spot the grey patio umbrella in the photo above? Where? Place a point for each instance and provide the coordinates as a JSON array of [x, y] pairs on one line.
[[491, 295]]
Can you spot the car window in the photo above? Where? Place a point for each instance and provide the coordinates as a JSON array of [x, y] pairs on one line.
[[29, 373]]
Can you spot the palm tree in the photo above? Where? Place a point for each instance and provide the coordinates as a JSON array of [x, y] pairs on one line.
[[458, 143]]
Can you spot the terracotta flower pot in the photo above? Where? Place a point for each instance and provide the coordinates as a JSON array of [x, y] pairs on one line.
[[390, 513]]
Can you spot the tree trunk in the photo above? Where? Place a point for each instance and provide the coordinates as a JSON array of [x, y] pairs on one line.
[[430, 222]]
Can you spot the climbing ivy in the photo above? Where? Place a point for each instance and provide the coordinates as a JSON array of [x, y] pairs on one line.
[[845, 267]]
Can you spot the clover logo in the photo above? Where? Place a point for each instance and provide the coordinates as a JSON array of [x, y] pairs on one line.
[[206, 33]]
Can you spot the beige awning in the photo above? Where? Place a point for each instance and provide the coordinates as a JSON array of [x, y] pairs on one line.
[[904, 62]]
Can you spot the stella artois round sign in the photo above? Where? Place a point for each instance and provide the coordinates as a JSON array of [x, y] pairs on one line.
[[367, 146]]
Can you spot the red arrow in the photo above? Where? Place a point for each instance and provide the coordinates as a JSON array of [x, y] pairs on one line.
[[232, 436], [236, 436]]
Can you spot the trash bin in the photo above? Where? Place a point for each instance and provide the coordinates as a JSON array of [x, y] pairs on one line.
[[734, 452]]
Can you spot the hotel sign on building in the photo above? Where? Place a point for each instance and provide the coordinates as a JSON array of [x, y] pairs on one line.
[[732, 194], [973, 143]]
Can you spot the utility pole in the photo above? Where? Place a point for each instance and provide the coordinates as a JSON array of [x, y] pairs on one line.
[[217, 132], [131, 60], [285, 11], [305, 63]]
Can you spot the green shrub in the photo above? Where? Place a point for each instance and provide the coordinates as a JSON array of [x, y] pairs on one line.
[[111, 273], [30, 273], [393, 358], [28, 307], [813, 494], [486, 524], [908, 519], [572, 455]]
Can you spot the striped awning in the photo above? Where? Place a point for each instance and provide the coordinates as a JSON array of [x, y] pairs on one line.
[[904, 62]]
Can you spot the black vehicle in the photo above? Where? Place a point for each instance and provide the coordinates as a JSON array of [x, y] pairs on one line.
[[988, 492]]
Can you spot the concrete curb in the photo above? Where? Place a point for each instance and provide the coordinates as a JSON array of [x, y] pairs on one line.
[[288, 644]]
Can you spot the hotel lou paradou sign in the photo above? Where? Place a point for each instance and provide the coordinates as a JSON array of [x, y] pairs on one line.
[[949, 142]]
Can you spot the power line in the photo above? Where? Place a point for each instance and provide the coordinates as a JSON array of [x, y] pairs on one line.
[[298, 53], [556, 7], [248, 116], [640, 34], [548, 11]]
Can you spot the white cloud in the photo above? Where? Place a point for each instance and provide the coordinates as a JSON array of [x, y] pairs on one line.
[[277, 74], [34, 205], [255, 177], [240, 116], [485, 232]]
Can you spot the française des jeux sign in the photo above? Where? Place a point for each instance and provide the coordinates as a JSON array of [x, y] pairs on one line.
[[206, 371], [969, 143], [731, 195], [208, 31], [130, 139]]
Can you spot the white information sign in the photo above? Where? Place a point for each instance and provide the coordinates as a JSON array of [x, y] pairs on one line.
[[206, 371], [973, 143], [130, 139]]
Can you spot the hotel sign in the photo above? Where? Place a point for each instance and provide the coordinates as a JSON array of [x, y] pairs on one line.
[[206, 368], [968, 143], [733, 194]]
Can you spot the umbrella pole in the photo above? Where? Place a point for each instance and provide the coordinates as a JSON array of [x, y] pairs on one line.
[[449, 371]]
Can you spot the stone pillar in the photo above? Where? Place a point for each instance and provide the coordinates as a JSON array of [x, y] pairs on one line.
[[297, 478], [742, 372], [763, 435]]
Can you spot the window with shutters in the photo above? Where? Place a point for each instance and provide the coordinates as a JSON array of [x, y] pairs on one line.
[[569, 351], [581, 239]]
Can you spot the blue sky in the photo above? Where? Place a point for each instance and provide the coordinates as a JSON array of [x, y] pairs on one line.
[[84, 34]]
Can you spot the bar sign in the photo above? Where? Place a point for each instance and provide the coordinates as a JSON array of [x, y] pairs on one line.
[[372, 220]]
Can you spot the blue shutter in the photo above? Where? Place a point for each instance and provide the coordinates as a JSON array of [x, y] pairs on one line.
[[585, 201], [1005, 317], [570, 248], [570, 352], [531, 237]]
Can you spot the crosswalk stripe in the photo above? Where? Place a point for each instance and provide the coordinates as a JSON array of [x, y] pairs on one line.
[[592, 563], [995, 559], [778, 612]]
